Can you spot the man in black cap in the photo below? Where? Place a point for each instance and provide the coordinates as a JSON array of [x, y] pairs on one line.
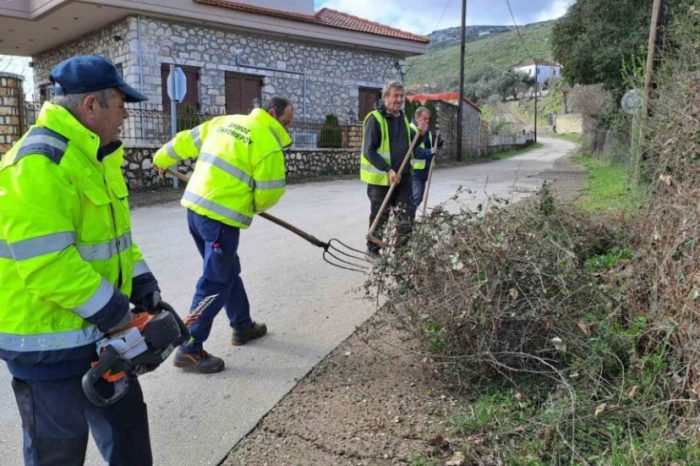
[[70, 268]]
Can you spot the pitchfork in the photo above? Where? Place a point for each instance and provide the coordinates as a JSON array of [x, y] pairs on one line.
[[335, 252]]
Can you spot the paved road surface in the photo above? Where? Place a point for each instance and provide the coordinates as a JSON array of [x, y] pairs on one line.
[[309, 307]]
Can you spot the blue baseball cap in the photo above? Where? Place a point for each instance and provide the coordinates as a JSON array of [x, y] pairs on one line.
[[90, 73]]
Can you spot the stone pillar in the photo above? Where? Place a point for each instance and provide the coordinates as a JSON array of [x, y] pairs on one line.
[[11, 108]]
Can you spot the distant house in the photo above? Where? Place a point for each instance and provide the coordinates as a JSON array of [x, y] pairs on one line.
[[446, 104], [234, 53], [544, 69]]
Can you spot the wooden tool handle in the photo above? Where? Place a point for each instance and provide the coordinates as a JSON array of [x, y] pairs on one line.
[[370, 233]]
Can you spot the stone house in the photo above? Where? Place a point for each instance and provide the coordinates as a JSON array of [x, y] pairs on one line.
[[233, 53], [473, 137]]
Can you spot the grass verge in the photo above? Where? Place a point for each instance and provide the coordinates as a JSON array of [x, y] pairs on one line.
[[609, 188]]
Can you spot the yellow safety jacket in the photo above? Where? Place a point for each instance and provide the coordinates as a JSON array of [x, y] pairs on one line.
[[240, 166], [65, 242], [416, 163], [368, 172]]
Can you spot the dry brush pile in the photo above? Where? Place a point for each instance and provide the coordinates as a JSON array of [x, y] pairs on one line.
[[592, 324]]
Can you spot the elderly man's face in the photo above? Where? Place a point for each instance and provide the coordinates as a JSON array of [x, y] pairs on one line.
[[286, 118], [105, 120], [423, 120], [394, 101]]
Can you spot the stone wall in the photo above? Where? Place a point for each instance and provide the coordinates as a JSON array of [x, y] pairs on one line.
[[471, 131], [11, 105], [301, 165], [140, 45], [569, 123]]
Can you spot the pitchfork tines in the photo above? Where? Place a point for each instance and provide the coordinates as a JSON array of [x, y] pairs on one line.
[[335, 252]]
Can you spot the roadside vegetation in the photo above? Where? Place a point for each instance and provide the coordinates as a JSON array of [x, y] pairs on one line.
[[570, 332]]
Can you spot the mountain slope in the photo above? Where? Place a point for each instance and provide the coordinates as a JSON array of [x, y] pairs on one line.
[[438, 69]]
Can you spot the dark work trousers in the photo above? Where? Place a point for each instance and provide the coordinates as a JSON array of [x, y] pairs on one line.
[[217, 243], [57, 416], [401, 203], [418, 190]]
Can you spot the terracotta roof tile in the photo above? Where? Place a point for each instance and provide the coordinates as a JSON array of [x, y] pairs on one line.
[[324, 17], [342, 20], [447, 96]]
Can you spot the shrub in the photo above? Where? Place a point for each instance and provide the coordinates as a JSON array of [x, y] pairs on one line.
[[331, 135]]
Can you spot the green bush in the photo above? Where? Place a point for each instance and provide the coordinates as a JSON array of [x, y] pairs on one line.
[[331, 135]]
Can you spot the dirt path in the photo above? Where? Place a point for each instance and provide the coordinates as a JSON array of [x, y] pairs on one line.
[[373, 400]]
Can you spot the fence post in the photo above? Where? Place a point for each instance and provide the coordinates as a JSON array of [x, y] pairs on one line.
[[11, 102]]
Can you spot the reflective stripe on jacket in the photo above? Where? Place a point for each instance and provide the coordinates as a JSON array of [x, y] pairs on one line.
[[368, 172], [420, 163], [66, 248], [240, 168]]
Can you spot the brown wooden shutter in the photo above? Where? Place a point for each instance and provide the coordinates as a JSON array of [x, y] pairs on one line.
[[242, 91], [192, 95]]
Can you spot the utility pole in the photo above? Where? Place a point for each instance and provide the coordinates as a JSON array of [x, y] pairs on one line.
[[460, 105], [537, 77], [651, 53]]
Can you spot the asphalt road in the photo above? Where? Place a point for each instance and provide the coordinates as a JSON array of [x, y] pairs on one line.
[[309, 307]]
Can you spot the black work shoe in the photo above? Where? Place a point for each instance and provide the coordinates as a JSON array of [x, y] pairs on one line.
[[200, 362], [241, 337]]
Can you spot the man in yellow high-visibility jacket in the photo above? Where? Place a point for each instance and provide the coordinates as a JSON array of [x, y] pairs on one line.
[[69, 267], [240, 171], [386, 138]]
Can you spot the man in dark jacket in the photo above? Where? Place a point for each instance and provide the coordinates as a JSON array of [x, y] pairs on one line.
[[386, 139], [423, 154]]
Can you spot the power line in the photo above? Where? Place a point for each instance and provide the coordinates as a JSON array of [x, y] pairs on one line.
[[534, 61], [447, 3], [522, 41]]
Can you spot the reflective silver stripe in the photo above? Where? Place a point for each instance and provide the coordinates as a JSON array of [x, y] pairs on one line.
[[372, 169], [5, 250], [227, 167], [279, 143], [195, 138], [45, 139], [270, 184], [50, 341], [101, 251], [28, 248], [219, 209], [97, 301], [140, 267], [170, 149]]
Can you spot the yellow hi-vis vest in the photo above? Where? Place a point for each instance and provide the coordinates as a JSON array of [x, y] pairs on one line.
[[240, 166], [368, 172], [419, 164], [65, 238]]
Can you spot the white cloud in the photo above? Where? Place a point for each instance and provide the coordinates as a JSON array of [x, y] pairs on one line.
[[423, 17], [556, 10]]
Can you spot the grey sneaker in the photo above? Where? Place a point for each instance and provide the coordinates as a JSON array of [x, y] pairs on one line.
[[241, 337], [200, 362]]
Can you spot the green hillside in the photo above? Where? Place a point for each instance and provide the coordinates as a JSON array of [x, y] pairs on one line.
[[438, 70]]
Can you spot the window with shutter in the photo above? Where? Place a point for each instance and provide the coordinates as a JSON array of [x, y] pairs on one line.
[[243, 92], [191, 97]]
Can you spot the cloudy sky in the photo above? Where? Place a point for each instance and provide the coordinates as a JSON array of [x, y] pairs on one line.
[[425, 16], [418, 16]]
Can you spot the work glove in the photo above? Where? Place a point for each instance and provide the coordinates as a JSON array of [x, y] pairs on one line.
[[433, 151], [151, 303]]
